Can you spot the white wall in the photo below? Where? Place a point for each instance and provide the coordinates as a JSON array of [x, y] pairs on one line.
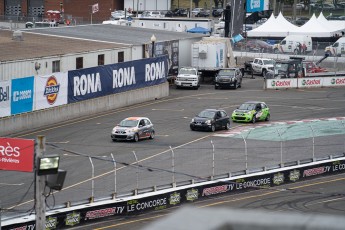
[[23, 68]]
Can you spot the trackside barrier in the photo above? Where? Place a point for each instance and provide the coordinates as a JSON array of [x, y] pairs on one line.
[[265, 179], [314, 82]]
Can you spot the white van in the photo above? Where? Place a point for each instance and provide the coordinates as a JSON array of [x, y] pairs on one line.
[[297, 44], [337, 49]]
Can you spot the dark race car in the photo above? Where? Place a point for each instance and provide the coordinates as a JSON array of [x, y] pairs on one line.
[[210, 120]]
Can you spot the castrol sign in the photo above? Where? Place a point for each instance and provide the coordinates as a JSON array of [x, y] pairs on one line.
[[17, 154], [281, 83]]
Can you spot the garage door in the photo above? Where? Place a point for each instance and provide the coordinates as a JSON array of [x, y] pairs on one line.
[[13, 7], [36, 7]]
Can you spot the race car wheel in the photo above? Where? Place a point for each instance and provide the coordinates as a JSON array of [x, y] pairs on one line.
[[152, 135], [254, 119], [268, 117], [227, 127], [213, 128], [136, 137]]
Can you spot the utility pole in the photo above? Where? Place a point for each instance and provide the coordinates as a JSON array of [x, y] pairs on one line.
[[40, 206]]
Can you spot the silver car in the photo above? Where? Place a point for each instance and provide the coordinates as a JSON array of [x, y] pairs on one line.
[[133, 129]]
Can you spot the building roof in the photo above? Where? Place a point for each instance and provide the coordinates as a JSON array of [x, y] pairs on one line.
[[116, 33], [35, 46]]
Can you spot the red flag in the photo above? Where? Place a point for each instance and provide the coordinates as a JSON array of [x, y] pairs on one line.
[[95, 8]]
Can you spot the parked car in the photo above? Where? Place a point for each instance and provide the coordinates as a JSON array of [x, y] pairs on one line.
[[203, 13], [180, 12], [251, 111], [195, 11], [134, 129], [255, 45], [325, 6], [228, 77], [301, 20], [210, 120], [168, 13], [217, 13], [299, 6]]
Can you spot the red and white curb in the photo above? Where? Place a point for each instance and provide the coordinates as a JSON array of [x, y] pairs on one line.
[[247, 127]]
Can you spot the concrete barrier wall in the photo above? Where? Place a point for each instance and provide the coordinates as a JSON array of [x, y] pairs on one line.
[[38, 119]]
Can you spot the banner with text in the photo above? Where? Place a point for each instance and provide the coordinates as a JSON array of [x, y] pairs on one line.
[[5, 98], [22, 95], [84, 84], [50, 90], [17, 154]]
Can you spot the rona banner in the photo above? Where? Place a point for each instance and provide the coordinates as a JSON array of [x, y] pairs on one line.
[[104, 80]]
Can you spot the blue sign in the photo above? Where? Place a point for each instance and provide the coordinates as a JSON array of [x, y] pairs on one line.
[[22, 95], [255, 5], [84, 84]]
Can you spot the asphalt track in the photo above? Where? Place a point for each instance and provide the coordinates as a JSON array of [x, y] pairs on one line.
[[171, 116]]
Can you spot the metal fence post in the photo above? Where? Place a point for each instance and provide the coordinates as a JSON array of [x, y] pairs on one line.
[[212, 160], [173, 166], [137, 163], [344, 139], [245, 151], [92, 181], [312, 130], [281, 148], [112, 156]]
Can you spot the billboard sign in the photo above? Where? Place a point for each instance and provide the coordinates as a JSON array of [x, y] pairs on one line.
[[257, 5], [17, 154], [22, 95], [5, 98], [89, 83], [50, 90]]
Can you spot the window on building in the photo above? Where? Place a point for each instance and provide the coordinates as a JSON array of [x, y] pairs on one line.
[[79, 63], [101, 59], [121, 56], [56, 66]]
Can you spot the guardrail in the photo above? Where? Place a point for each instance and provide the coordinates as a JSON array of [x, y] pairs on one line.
[[264, 178]]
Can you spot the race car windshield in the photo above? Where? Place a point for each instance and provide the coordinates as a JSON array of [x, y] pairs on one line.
[[128, 123], [206, 114], [247, 107]]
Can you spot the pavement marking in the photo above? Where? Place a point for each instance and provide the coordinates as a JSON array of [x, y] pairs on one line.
[[179, 110], [12, 184]]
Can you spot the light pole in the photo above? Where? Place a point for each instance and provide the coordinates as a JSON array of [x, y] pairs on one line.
[[153, 40]]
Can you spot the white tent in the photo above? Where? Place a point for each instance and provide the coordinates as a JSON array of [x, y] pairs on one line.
[[334, 25], [273, 27], [314, 28]]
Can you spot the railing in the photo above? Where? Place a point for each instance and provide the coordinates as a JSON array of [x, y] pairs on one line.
[[123, 173]]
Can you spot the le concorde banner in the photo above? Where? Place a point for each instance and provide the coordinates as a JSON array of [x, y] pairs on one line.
[[17, 154], [104, 80]]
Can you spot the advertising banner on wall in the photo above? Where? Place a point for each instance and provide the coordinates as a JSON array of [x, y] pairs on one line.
[[5, 98], [51, 90], [257, 5], [17, 154], [22, 95], [104, 80], [169, 48]]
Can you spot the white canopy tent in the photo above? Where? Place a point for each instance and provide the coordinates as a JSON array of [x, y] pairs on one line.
[[336, 26], [273, 27], [314, 28]]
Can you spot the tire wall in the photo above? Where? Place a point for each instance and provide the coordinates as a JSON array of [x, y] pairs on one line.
[[38, 119]]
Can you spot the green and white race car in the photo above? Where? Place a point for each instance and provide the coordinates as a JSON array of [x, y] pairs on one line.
[[251, 111]]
